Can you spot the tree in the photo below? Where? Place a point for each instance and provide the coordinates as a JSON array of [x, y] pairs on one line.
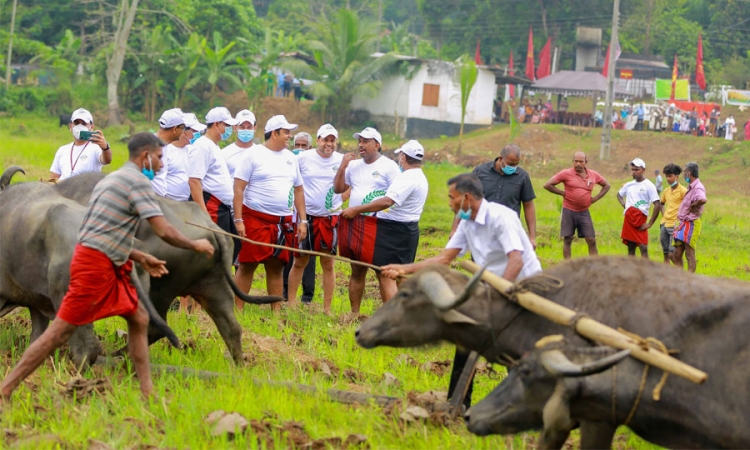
[[220, 63], [468, 73], [343, 64], [124, 22], [185, 61], [152, 60]]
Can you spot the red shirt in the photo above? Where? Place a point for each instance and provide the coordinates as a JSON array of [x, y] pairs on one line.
[[577, 189]]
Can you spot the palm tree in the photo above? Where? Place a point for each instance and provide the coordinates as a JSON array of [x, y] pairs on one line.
[[220, 63], [344, 65], [185, 61]]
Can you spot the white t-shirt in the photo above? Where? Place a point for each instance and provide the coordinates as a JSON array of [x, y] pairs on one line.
[[71, 160], [159, 183], [318, 174], [494, 233], [369, 181], [177, 176], [408, 192], [271, 178], [232, 154], [205, 163], [639, 195]]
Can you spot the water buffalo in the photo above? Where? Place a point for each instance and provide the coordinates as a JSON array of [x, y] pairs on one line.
[[640, 296], [39, 230], [712, 415], [208, 280]]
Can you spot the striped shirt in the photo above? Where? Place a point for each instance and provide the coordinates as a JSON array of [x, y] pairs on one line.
[[118, 204]]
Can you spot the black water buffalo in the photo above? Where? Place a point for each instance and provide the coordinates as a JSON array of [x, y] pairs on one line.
[[640, 296], [36, 274], [553, 381]]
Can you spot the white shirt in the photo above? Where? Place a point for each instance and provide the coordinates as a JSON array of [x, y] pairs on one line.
[[177, 176], [639, 195], [317, 175], [271, 178], [495, 232], [71, 160], [408, 192], [232, 155], [159, 183], [206, 164], [369, 181]]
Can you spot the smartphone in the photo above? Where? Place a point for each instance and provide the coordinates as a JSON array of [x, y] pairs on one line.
[[86, 135]]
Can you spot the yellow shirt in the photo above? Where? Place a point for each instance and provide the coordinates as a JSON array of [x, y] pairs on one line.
[[671, 199]]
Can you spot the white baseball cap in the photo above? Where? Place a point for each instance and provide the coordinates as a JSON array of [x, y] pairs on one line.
[[412, 149], [328, 130], [638, 162], [279, 123], [81, 114], [245, 116], [192, 122], [220, 114], [369, 133], [172, 118]]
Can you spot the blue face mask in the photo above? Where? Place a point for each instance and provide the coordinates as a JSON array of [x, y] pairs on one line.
[[245, 135], [463, 215], [195, 137], [296, 151], [509, 170], [150, 171], [227, 132], [674, 184], [687, 179]]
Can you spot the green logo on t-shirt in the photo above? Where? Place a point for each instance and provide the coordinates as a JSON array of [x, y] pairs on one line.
[[329, 200], [290, 201], [370, 197]]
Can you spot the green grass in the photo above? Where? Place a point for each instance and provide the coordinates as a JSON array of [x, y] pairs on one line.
[[291, 346]]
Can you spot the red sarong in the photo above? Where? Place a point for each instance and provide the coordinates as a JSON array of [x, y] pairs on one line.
[[634, 218], [269, 229], [357, 238], [322, 235], [98, 288]]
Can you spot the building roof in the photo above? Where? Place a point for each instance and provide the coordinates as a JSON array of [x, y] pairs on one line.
[[576, 84]]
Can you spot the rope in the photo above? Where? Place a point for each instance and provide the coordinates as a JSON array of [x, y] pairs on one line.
[[539, 283], [291, 249]]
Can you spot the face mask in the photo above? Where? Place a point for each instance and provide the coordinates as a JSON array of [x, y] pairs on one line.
[[687, 179], [461, 214], [150, 171], [245, 135], [400, 167], [296, 151], [674, 184], [509, 170], [227, 132], [195, 137], [77, 130]]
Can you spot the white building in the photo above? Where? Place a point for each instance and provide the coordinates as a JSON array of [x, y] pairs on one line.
[[427, 103]]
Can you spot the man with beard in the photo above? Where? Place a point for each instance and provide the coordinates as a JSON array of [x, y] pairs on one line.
[[579, 182]]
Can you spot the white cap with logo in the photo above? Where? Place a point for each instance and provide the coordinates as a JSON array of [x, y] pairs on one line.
[[279, 123], [172, 118], [220, 114], [638, 162], [327, 130], [412, 149], [245, 116], [81, 114], [369, 133], [192, 122]]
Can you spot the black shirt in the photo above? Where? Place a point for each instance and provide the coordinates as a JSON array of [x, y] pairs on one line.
[[508, 190]]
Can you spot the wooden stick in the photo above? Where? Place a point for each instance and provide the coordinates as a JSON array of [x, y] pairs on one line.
[[590, 328], [291, 249], [462, 386]]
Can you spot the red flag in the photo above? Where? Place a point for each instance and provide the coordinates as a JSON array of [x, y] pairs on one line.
[[477, 56], [605, 70], [700, 77], [545, 61], [530, 56], [511, 72], [674, 77]]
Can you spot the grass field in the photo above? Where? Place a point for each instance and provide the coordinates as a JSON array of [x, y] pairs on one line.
[[303, 346]]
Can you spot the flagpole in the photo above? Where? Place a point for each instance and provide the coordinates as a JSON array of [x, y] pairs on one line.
[[604, 151]]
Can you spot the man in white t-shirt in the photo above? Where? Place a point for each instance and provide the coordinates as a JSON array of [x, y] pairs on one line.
[[369, 179], [245, 130], [82, 155], [636, 198], [398, 213], [171, 129], [174, 174], [267, 188], [492, 233], [318, 167], [208, 176]]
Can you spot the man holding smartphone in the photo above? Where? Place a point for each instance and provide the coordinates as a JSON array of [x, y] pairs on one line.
[[88, 152]]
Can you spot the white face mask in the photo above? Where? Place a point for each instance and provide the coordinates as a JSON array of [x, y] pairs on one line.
[[77, 130]]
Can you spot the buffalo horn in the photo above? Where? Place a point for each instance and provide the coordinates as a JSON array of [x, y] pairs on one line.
[[557, 363], [469, 288], [437, 290], [8, 174]]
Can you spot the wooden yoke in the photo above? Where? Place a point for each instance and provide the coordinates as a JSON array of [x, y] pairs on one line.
[[590, 328]]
